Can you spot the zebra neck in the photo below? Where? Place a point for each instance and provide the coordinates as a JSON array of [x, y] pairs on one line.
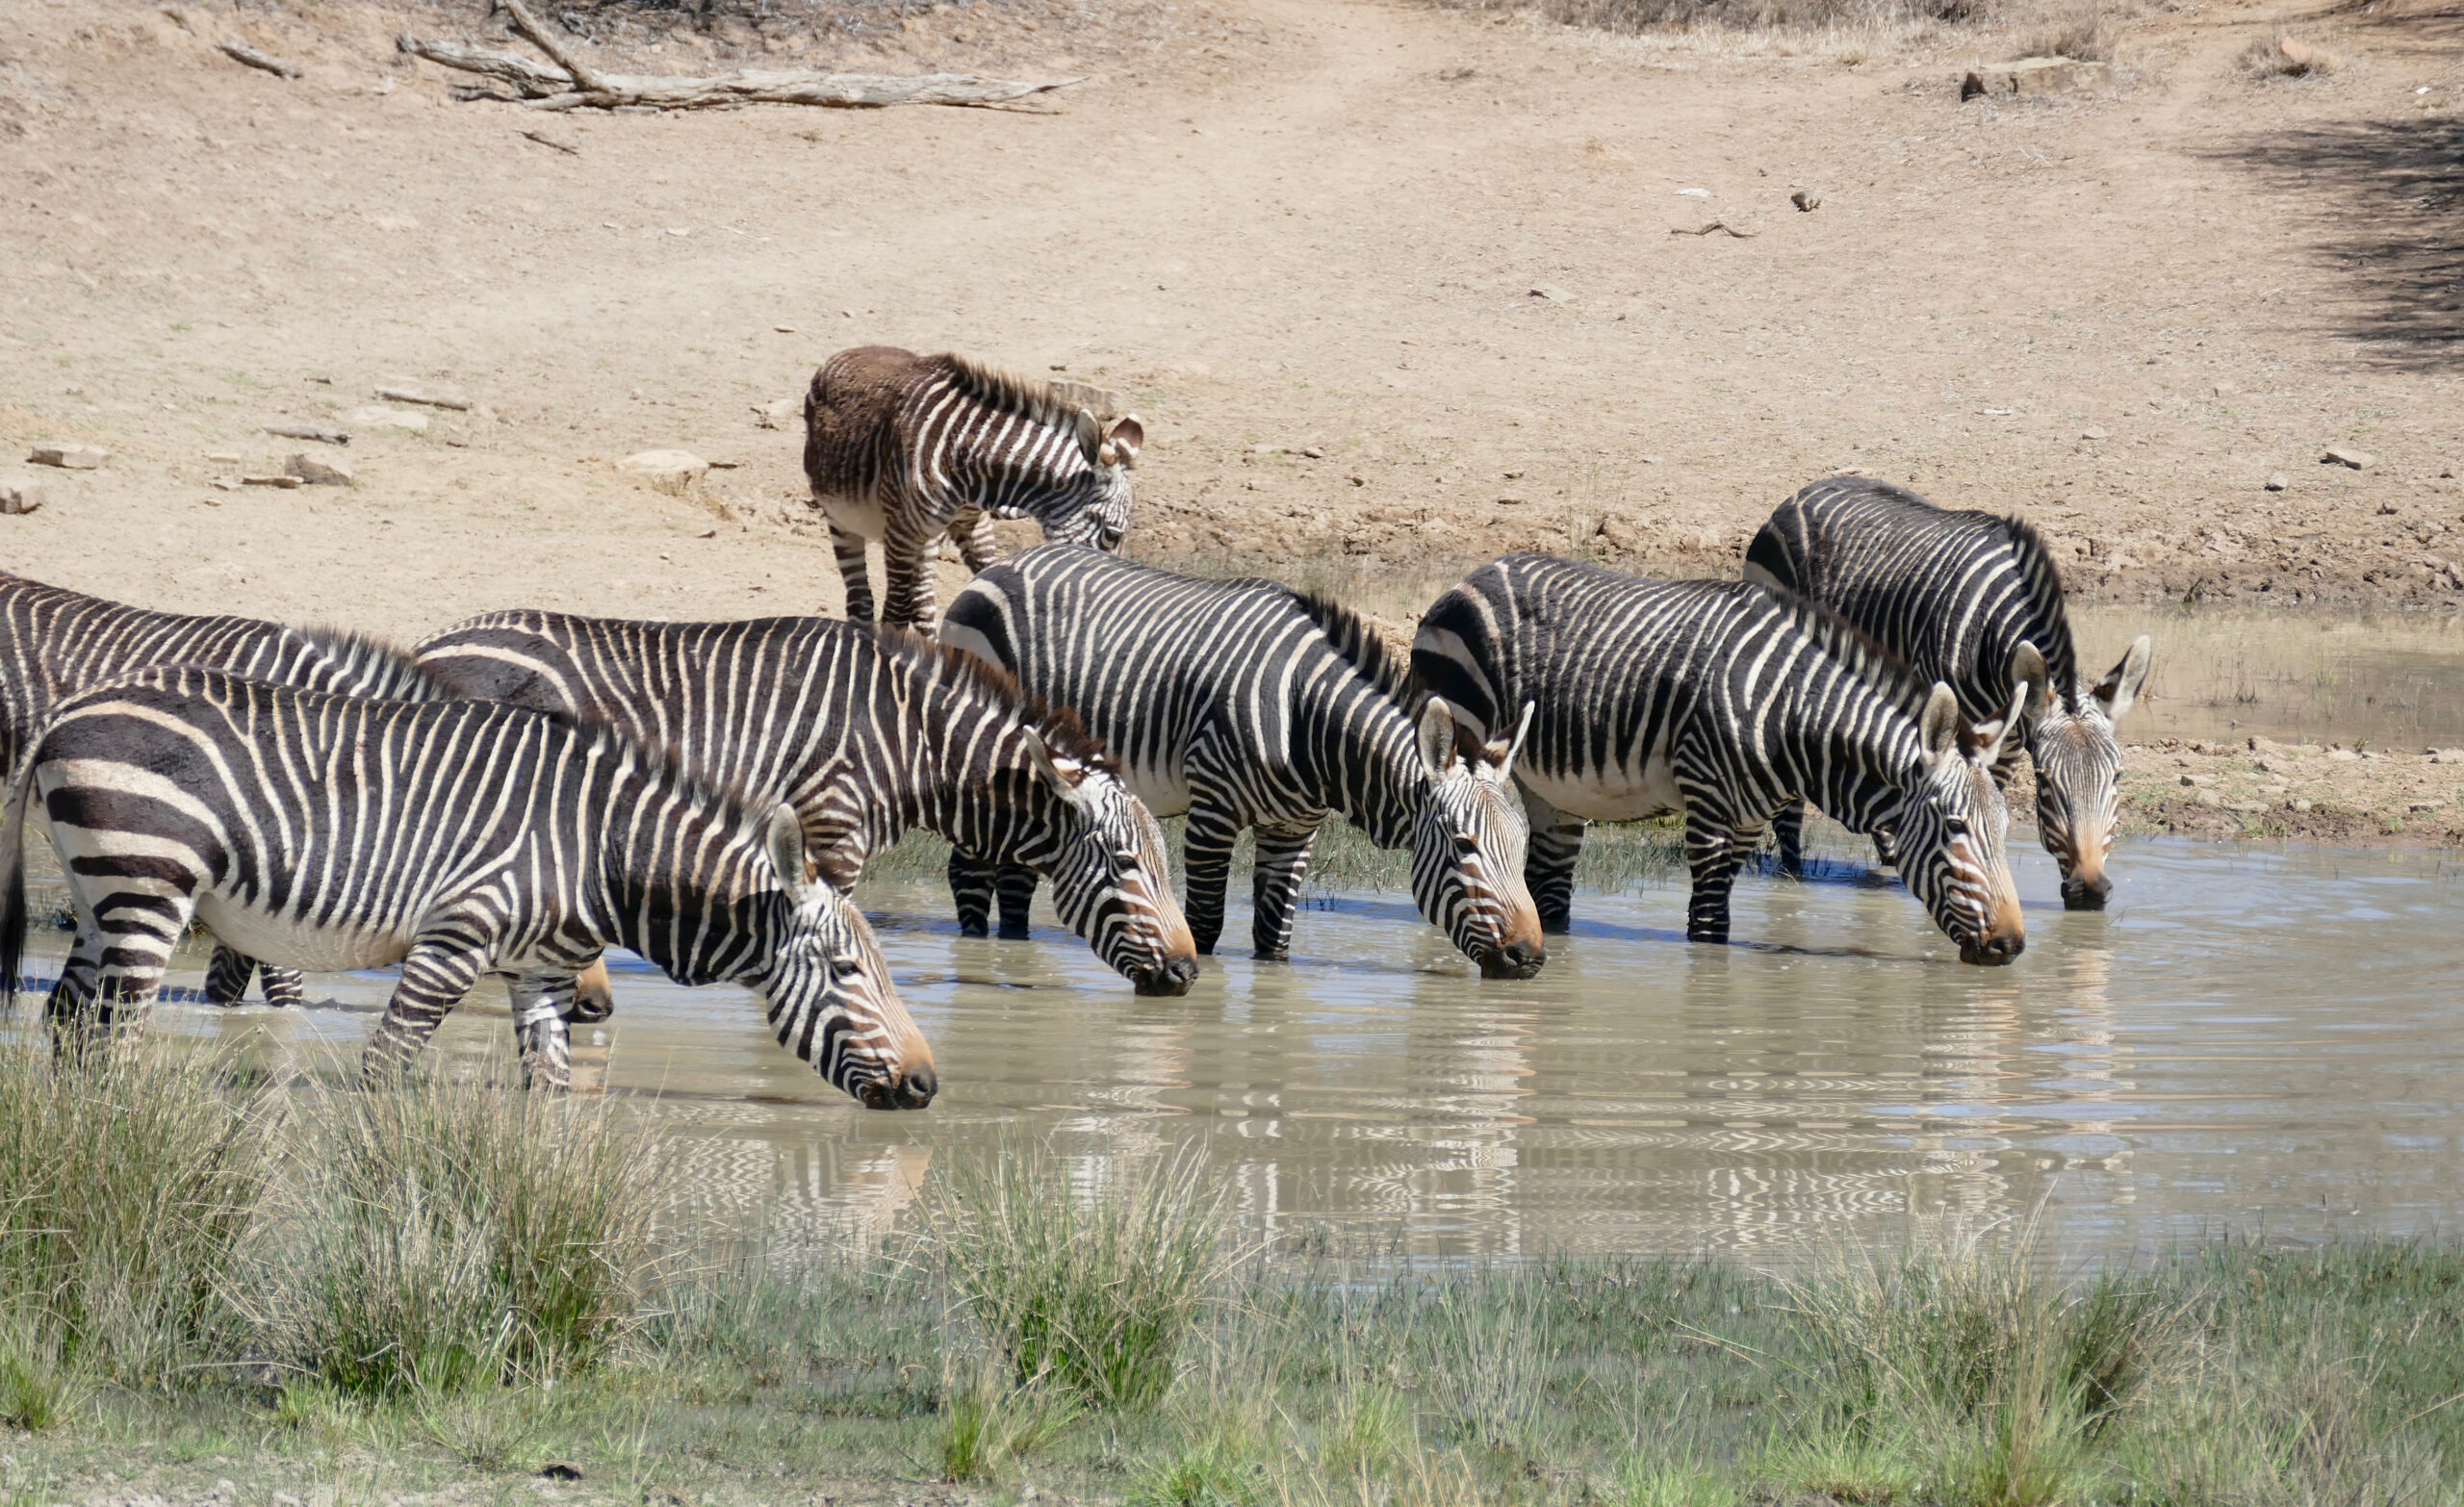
[[1360, 749], [684, 899], [1860, 780]]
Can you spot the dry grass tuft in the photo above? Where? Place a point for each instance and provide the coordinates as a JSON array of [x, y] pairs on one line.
[[2279, 56]]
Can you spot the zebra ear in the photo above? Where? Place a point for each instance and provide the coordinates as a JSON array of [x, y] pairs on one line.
[[1522, 729], [1437, 737], [1123, 440], [785, 842], [1939, 726], [1990, 735], [1063, 775], [2119, 687], [2027, 668]]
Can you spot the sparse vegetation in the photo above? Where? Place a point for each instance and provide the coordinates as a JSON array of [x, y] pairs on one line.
[[2279, 55]]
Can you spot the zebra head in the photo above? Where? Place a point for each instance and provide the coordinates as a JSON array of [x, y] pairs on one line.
[[1467, 846], [2078, 762], [1111, 876], [827, 990], [1095, 512], [1946, 839]]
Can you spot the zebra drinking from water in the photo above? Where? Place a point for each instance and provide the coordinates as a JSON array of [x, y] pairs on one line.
[[457, 838], [1727, 701], [54, 642], [908, 449], [1247, 703], [866, 732], [1973, 600]]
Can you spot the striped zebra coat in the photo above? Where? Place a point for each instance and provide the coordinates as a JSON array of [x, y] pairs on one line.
[[54, 642], [866, 732], [1247, 704], [906, 449], [1725, 700], [1973, 600], [457, 838]]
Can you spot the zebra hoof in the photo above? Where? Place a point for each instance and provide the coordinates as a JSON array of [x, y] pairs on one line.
[[1012, 933]]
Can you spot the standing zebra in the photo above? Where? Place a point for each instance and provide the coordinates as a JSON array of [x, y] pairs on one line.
[[1972, 601], [1247, 703], [54, 642], [906, 449], [457, 838], [866, 732], [1725, 700]]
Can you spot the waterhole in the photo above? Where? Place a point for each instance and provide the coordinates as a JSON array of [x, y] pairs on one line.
[[2249, 1040]]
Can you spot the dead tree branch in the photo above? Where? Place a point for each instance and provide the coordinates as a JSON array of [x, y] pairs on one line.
[[242, 52]]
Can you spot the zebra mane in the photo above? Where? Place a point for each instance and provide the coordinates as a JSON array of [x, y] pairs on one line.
[[1027, 397], [1060, 727], [355, 651], [1878, 667], [2052, 631], [1357, 640]]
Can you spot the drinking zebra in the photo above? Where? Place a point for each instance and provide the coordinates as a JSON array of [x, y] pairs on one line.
[[866, 732], [1973, 600], [1725, 700], [54, 642], [1247, 704], [457, 838], [908, 449]]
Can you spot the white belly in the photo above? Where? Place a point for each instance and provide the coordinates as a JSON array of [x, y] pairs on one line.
[[291, 944], [1611, 795], [862, 517], [1166, 790]]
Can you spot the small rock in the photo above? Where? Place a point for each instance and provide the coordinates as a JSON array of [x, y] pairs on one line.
[[786, 413], [308, 432], [284, 481], [404, 393], [68, 457], [1805, 200], [1313, 452], [2094, 434], [2033, 76], [224, 484], [1693, 194], [2343, 756], [316, 473], [2344, 455], [2275, 482], [20, 495], [2208, 798], [389, 419], [784, 329], [2447, 756], [1509, 501], [2199, 781], [1553, 293], [224, 458], [2297, 803], [676, 472], [2430, 806]]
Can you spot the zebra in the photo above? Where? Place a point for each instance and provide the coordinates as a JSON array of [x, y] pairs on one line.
[[1249, 705], [455, 837], [1725, 700], [54, 641], [866, 732], [1974, 601], [907, 449]]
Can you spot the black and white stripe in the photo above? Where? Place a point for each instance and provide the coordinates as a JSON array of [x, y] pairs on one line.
[[866, 732], [1727, 701], [908, 449], [1973, 600], [457, 838], [1247, 704]]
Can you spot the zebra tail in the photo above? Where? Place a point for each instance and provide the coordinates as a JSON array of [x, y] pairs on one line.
[[12, 880]]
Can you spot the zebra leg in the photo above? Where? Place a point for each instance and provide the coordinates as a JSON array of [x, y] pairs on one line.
[[1788, 827], [1283, 861], [849, 549], [285, 989], [907, 559], [441, 968], [1206, 848], [540, 1032], [974, 532], [226, 980], [137, 927], [971, 882], [1713, 854], [69, 1010], [1017, 884], [1549, 861]]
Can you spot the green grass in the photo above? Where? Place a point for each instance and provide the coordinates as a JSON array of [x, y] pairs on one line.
[[1100, 1330]]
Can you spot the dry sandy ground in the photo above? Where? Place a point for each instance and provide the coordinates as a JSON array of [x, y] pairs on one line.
[[1302, 240]]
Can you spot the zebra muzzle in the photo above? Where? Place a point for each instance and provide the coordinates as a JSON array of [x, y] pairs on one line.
[[912, 1089], [1515, 959], [1169, 980]]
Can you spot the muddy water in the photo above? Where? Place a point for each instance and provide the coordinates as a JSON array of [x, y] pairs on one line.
[[2247, 1040]]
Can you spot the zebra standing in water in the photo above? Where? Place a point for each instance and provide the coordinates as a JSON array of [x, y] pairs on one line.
[[1725, 700], [866, 732], [1246, 703], [1973, 600], [457, 838], [54, 642], [908, 449]]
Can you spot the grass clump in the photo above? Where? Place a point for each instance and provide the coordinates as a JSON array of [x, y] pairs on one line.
[[454, 1236], [129, 1180], [1094, 1289], [2280, 56]]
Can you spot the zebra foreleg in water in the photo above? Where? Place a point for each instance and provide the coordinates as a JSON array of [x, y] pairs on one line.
[[984, 889], [1554, 846]]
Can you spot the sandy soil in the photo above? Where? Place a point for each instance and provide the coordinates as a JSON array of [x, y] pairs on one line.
[[1395, 290]]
